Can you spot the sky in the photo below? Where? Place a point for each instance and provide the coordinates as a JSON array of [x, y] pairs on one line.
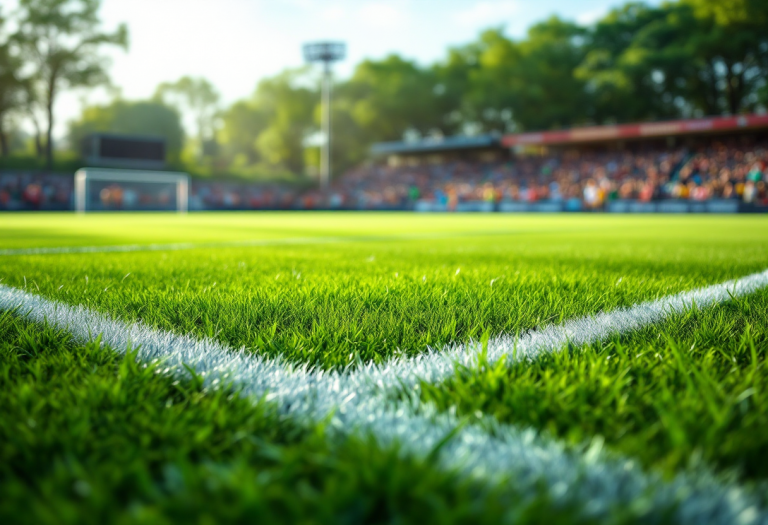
[[235, 43]]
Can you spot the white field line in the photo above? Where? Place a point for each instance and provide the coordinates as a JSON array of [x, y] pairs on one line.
[[168, 247], [362, 400], [52, 250], [230, 244]]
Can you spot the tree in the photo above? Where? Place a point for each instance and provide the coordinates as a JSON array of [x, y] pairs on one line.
[[392, 96], [531, 81], [384, 100], [288, 106], [11, 88], [548, 94], [135, 118], [351, 143], [241, 124], [624, 82], [692, 56], [479, 79], [32, 106], [61, 39], [727, 45], [639, 62], [195, 96], [267, 132]]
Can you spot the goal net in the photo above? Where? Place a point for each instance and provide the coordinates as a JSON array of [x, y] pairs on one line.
[[100, 189]]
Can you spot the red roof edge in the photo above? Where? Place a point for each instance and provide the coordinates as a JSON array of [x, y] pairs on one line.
[[646, 129]]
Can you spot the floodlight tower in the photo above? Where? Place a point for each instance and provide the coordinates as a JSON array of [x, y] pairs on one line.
[[326, 53]]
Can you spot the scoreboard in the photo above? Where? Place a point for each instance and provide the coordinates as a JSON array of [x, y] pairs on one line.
[[124, 151]]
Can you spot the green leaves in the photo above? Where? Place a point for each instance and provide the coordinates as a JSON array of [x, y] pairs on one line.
[[690, 55], [61, 39], [133, 118], [267, 132], [197, 98]]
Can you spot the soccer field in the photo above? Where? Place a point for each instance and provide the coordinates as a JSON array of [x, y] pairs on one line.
[[385, 368]]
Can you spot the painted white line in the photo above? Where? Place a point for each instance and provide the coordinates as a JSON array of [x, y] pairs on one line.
[[358, 401], [125, 248], [231, 244], [170, 247]]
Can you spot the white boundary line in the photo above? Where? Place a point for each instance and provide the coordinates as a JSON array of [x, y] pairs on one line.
[[169, 247], [358, 400], [287, 241], [125, 248]]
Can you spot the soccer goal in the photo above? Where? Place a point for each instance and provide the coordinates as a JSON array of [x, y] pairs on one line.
[[100, 189]]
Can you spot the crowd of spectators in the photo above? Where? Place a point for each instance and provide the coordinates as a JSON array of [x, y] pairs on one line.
[[715, 170], [35, 191], [29, 191], [205, 195]]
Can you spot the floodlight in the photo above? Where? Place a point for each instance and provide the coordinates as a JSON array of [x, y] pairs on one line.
[[325, 53]]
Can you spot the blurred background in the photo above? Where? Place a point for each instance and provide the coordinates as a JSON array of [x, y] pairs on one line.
[[493, 105]]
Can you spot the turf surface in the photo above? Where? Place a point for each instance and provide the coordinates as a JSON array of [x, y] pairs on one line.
[[334, 304], [87, 436], [332, 290], [692, 390]]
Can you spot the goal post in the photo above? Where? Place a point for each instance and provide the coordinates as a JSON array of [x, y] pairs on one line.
[[101, 189]]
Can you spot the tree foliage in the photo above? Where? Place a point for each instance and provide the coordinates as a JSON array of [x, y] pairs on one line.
[[61, 40], [131, 118], [12, 86], [268, 131], [196, 97], [690, 57], [528, 84], [640, 62]]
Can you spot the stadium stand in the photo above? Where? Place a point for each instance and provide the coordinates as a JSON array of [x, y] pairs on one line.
[[663, 166], [29, 191], [205, 195], [716, 164], [717, 169]]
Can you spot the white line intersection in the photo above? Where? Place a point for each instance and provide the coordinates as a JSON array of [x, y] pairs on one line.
[[361, 400]]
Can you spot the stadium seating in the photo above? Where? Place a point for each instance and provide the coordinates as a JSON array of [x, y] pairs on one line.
[[716, 170]]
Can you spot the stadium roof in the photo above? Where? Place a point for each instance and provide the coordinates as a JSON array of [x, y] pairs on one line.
[[633, 131], [436, 144], [575, 135]]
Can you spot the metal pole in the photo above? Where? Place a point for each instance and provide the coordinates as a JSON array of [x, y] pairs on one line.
[[325, 152], [326, 53], [81, 191], [182, 195]]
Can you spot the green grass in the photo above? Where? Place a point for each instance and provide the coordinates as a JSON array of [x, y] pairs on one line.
[[332, 304], [66, 229], [86, 435], [692, 390], [97, 229]]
